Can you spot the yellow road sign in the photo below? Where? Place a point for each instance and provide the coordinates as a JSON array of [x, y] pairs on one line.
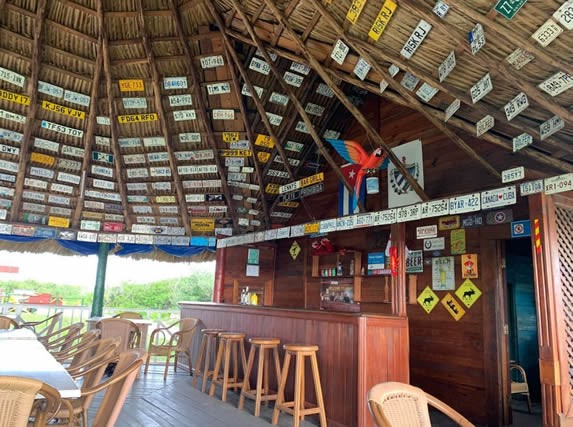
[[294, 250], [468, 293], [453, 306], [428, 299]]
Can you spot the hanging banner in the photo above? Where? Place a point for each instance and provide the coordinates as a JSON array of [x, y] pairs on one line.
[[400, 193]]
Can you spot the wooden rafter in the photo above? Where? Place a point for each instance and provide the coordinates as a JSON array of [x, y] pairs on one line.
[[501, 69], [342, 97], [297, 104], [250, 134], [278, 30], [89, 133], [163, 119], [114, 129], [346, 76], [404, 92], [35, 64], [504, 34], [202, 107], [255, 96]]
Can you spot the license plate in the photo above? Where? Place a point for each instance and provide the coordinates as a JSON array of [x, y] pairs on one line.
[[514, 174], [467, 203], [293, 79], [314, 109], [175, 83], [408, 213], [219, 114], [481, 88], [426, 92], [522, 141], [551, 126], [435, 208], [339, 52], [484, 125], [453, 107], [260, 66], [476, 38], [558, 184], [531, 187], [516, 106], [565, 15], [182, 115], [218, 88], [500, 197], [557, 83], [519, 58], [180, 100], [416, 38], [362, 68], [409, 81], [50, 89], [212, 61], [548, 32]]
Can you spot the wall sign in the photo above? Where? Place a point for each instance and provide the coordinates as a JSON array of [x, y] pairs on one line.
[[469, 266], [437, 243], [453, 307], [428, 299], [294, 250], [458, 241], [449, 222], [426, 232], [443, 276], [468, 293], [520, 229], [414, 262]]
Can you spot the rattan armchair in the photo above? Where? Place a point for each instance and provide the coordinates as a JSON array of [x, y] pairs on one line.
[[125, 329], [45, 326], [128, 315], [8, 323], [62, 339], [166, 342], [74, 351], [117, 387], [519, 383], [395, 404], [18, 402]]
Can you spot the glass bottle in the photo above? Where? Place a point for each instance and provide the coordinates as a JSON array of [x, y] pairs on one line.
[[351, 269]]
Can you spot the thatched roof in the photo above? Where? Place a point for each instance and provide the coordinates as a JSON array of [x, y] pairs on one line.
[[136, 116]]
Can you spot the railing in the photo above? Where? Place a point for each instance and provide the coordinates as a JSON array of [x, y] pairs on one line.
[[80, 313]]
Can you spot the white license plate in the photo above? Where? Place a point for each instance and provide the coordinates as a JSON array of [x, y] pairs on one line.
[[565, 15], [548, 32], [531, 187], [513, 174], [557, 83], [516, 106], [558, 184], [416, 38], [484, 125], [467, 203], [481, 88], [522, 141], [551, 126]]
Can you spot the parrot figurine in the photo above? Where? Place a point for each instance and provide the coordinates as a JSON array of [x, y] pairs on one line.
[[353, 152]]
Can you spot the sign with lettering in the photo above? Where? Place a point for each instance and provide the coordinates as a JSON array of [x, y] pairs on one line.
[[212, 61], [12, 77], [519, 58], [522, 141], [339, 52], [293, 79], [190, 137], [175, 83], [223, 114], [218, 88], [137, 118], [416, 38], [476, 38], [8, 115], [514, 174], [548, 32], [465, 203], [453, 307], [129, 103], [260, 66], [131, 86], [180, 100], [558, 184], [481, 88], [557, 83], [443, 276], [245, 90], [484, 125], [565, 15], [549, 127], [14, 97], [11, 135], [516, 106], [183, 115], [531, 187], [508, 8], [50, 89], [452, 108], [77, 98], [382, 20], [447, 66]]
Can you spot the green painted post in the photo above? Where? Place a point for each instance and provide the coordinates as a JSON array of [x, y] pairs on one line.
[[99, 289]]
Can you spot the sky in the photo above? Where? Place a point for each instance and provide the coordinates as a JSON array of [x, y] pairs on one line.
[[81, 270]]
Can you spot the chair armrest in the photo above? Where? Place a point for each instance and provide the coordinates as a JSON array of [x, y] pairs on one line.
[[112, 380], [448, 410]]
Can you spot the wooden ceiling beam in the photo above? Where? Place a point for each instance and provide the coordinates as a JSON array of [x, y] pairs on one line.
[[455, 138], [189, 4], [114, 127], [72, 32], [32, 90], [193, 38], [504, 34], [89, 136], [163, 118], [296, 103], [161, 13], [278, 30], [260, 108], [79, 7], [502, 70], [373, 133], [202, 107], [250, 135]]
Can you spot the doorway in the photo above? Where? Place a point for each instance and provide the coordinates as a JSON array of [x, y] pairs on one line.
[[523, 344]]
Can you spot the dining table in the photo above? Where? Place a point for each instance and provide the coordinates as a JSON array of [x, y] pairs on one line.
[[22, 355]]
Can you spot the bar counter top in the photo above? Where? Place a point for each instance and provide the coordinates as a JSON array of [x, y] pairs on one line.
[[356, 350]]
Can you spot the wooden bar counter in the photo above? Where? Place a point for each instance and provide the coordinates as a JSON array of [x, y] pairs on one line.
[[357, 350]]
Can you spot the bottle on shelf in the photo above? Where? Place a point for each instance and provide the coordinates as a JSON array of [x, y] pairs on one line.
[[351, 268], [339, 269]]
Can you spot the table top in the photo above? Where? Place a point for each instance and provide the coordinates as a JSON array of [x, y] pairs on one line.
[[29, 358], [17, 334]]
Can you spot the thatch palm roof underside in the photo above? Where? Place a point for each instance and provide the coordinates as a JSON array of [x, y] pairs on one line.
[[138, 115]]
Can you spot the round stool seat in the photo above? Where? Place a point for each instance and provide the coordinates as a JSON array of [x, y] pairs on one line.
[[214, 332], [264, 341], [232, 335], [300, 347]]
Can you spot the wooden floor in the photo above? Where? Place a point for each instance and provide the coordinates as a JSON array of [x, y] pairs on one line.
[[176, 403]]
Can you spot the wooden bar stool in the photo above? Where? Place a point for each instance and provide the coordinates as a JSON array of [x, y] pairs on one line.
[[230, 344], [261, 393], [297, 406], [207, 351]]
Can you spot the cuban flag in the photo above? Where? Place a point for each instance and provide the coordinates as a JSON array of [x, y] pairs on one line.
[[345, 197]]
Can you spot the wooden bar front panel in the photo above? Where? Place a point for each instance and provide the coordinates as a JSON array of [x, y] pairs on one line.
[[356, 351]]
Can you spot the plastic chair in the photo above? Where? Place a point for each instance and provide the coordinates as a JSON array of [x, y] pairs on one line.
[[117, 387], [127, 315], [49, 323], [63, 338], [394, 404], [8, 323], [165, 342], [519, 385], [18, 402]]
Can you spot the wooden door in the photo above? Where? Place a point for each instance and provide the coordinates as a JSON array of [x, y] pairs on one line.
[[552, 227]]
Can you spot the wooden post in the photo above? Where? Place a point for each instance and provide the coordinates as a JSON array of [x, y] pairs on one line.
[[99, 289], [398, 233], [219, 286]]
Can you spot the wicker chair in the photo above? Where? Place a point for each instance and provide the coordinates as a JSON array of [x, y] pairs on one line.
[[394, 404], [74, 351], [519, 382], [63, 338], [8, 323], [48, 324], [128, 315], [125, 329], [117, 387], [91, 372], [18, 402], [165, 342]]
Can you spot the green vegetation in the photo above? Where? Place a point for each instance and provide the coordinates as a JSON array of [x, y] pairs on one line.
[[161, 295]]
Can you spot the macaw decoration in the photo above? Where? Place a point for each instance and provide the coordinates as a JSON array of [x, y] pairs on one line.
[[353, 152], [394, 261], [322, 247]]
